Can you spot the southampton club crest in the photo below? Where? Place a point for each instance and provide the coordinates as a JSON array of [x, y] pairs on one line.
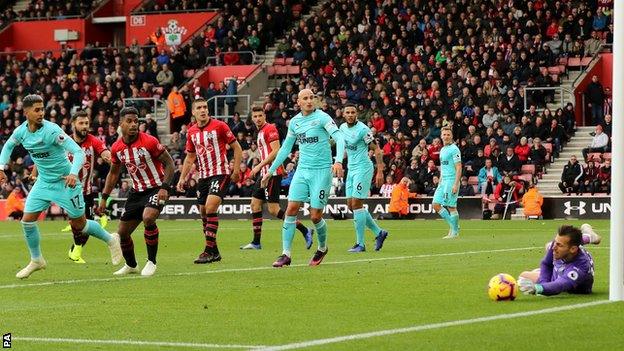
[[173, 33]]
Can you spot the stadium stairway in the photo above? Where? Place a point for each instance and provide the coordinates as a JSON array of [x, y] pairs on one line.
[[548, 185]]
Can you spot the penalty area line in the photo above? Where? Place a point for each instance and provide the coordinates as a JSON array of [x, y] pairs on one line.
[[432, 326], [264, 268]]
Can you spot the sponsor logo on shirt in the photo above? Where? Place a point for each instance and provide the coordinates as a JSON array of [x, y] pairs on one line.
[[40, 154], [302, 139]]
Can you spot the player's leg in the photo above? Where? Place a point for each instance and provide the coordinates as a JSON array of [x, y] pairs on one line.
[[438, 205], [215, 193], [297, 194], [307, 233], [129, 221], [257, 199], [451, 205], [127, 224], [150, 214], [589, 235], [80, 239], [320, 185], [273, 196], [33, 238]]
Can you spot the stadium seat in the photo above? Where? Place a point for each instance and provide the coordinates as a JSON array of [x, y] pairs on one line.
[[526, 177], [585, 61], [554, 70], [289, 60], [188, 73], [293, 70], [473, 180], [548, 147], [528, 169], [563, 61], [574, 62], [594, 156], [279, 61], [270, 70], [281, 70]]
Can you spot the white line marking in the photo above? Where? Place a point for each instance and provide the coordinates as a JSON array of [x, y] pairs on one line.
[[262, 268], [418, 328], [136, 343]]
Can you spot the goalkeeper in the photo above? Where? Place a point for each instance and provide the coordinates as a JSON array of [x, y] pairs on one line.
[[567, 267]]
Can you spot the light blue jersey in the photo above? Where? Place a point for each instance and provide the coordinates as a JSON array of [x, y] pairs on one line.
[[311, 133], [357, 139], [48, 147], [449, 157]]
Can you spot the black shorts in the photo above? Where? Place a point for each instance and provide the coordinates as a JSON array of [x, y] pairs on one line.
[[137, 201], [271, 193], [215, 185], [89, 203]]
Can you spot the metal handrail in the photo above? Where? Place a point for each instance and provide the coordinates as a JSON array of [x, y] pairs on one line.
[[140, 12], [594, 58], [154, 102], [561, 90], [227, 113]]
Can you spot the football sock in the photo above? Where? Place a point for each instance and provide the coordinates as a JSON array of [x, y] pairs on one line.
[[302, 228], [79, 237], [257, 227], [372, 224], [151, 241], [288, 232], [94, 228], [359, 221], [321, 230], [31, 234], [454, 221], [210, 232], [444, 213], [127, 249]]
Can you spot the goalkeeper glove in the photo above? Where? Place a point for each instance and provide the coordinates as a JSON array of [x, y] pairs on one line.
[[528, 287]]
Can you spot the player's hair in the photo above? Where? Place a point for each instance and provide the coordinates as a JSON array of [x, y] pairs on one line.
[[79, 114], [349, 104], [199, 99], [446, 128], [30, 100], [128, 111], [575, 234], [257, 108]]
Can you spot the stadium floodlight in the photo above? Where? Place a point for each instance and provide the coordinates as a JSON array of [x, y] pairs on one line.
[[616, 276]]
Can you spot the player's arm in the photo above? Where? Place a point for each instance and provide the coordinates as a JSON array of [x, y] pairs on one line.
[[379, 163], [111, 179], [34, 173], [189, 161], [289, 142], [163, 193], [340, 151], [106, 156], [275, 145], [73, 148], [566, 282], [238, 155], [5, 157], [458, 172]]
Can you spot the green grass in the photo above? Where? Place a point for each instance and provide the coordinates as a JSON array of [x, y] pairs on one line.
[[218, 304]]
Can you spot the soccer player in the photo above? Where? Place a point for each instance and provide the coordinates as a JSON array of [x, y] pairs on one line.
[[566, 267], [358, 140], [268, 145], [445, 196], [311, 128], [206, 145], [151, 169], [57, 182], [92, 148]]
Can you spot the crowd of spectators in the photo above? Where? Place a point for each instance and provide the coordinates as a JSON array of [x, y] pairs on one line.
[[48, 9], [411, 68]]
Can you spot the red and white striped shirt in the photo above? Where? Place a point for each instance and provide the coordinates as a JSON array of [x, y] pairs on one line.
[[141, 161], [92, 148], [266, 135], [209, 143]]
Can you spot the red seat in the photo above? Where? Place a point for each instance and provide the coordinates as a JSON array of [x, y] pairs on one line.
[[563, 61], [279, 61], [281, 70], [548, 147], [289, 61], [526, 177], [574, 62], [270, 70], [554, 70], [594, 156], [293, 70], [585, 61], [188, 73], [528, 169]]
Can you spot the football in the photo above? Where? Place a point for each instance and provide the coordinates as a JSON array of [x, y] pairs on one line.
[[502, 287]]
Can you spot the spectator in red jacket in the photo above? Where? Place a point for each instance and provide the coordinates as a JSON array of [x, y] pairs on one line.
[[434, 150], [590, 177], [379, 123], [523, 150]]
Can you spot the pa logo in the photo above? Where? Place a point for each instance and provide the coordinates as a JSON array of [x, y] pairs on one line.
[[580, 208], [6, 341]]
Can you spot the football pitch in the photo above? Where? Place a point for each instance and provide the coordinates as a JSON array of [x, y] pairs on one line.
[[419, 293]]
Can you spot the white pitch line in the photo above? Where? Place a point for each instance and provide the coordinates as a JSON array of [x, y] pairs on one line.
[[418, 328], [262, 268], [136, 343]]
